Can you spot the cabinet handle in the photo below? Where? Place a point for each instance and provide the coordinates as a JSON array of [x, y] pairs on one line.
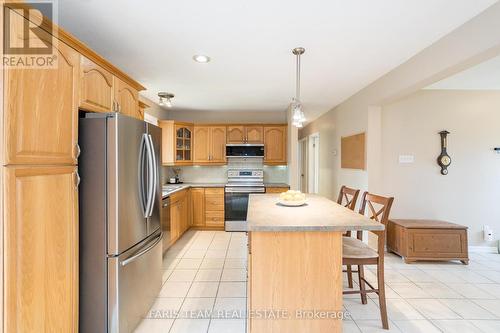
[[78, 150], [77, 179]]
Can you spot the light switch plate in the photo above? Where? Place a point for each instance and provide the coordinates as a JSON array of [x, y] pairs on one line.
[[406, 159]]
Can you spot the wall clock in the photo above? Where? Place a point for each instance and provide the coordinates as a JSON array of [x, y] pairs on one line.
[[444, 160]]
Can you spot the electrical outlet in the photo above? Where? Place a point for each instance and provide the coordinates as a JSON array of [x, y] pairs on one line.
[[487, 234]]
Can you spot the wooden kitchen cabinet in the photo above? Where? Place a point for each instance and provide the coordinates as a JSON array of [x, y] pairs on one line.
[[41, 108], [276, 189], [254, 134], [214, 207], [40, 233], [207, 206], [142, 108], [235, 134], [245, 134], [96, 87], [179, 214], [275, 144], [198, 207], [126, 99], [209, 145], [177, 142], [100, 91], [218, 144]]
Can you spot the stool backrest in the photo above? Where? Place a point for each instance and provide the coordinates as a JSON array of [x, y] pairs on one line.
[[374, 202], [350, 195], [379, 208]]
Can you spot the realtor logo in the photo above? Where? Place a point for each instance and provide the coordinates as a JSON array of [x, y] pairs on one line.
[[28, 35]]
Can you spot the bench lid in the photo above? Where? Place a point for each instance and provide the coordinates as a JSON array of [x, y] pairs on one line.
[[426, 224]]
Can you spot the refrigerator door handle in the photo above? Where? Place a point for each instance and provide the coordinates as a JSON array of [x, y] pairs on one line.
[[142, 189], [151, 187], [141, 253], [155, 175]]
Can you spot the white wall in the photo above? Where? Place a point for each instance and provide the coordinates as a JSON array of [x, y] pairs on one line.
[[342, 121], [470, 193], [468, 45]]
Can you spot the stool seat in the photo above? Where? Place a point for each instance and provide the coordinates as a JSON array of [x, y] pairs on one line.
[[353, 248]]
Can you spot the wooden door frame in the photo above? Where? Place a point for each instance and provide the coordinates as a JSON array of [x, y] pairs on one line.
[[313, 162], [303, 161]]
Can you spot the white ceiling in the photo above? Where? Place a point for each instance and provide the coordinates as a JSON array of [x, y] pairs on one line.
[[349, 44], [485, 76]]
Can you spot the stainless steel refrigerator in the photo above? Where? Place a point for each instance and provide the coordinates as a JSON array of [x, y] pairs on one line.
[[120, 234]]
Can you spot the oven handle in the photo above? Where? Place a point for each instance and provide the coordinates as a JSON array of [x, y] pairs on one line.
[[245, 190]]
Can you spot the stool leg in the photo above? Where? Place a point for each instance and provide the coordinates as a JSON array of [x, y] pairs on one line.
[[381, 297], [362, 288], [349, 276]]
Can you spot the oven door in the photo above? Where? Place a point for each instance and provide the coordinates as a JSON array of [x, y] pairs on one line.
[[236, 206]]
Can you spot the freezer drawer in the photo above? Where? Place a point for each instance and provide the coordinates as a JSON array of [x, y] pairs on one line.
[[134, 280]]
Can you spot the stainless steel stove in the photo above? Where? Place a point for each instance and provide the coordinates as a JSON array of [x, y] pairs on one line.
[[241, 183]]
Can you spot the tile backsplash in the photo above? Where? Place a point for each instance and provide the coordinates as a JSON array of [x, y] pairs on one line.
[[218, 174]]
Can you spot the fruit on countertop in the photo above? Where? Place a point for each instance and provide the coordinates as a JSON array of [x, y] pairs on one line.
[[292, 195]]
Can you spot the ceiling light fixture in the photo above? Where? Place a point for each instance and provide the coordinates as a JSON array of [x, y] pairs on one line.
[[166, 99], [298, 116], [201, 58]]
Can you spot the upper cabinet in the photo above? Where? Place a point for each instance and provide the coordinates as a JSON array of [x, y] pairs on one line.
[[254, 134], [142, 108], [177, 142], [245, 134], [126, 99], [209, 145], [218, 144], [275, 144], [96, 87], [40, 108], [235, 134], [100, 91]]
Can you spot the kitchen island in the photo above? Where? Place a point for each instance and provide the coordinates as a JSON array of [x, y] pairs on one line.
[[295, 263]]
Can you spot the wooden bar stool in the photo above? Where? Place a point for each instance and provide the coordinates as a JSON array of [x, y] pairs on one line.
[[356, 252], [351, 197]]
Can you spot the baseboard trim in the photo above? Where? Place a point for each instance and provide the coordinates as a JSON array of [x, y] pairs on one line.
[[483, 249]]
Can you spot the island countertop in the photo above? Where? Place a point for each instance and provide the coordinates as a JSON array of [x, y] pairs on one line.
[[319, 214]]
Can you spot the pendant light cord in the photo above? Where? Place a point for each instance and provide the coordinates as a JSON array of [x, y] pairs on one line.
[[297, 88]]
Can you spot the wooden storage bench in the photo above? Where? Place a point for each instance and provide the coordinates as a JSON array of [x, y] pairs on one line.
[[427, 240]]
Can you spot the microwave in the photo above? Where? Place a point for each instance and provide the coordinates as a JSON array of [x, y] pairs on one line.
[[245, 150]]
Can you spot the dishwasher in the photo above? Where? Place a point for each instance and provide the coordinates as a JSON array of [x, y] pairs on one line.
[[165, 222]]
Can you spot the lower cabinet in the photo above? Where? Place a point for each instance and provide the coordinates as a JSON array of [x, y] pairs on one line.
[[214, 207], [195, 207], [40, 235], [179, 215], [207, 207], [276, 189], [198, 207]]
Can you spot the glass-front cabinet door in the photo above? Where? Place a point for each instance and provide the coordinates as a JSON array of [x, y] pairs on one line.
[[183, 143]]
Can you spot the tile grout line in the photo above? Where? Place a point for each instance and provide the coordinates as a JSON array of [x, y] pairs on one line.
[[187, 293], [220, 280]]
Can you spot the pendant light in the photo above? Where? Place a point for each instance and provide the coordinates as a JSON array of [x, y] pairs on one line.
[[298, 116], [165, 99]]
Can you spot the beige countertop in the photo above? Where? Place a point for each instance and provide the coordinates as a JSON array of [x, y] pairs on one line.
[[319, 214], [169, 189]]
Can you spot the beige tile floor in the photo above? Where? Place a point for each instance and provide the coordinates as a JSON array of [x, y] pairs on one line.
[[204, 290]]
